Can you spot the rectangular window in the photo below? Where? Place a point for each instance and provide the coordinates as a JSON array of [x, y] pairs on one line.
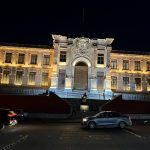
[[8, 57], [114, 64], [148, 66], [32, 78], [62, 56], [46, 60], [125, 64], [113, 83], [44, 79], [100, 59], [21, 58], [100, 80], [137, 66], [138, 84], [125, 83], [33, 59], [148, 84], [5, 77], [19, 77]]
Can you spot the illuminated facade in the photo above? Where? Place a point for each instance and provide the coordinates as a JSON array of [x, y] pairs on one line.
[[130, 71], [74, 66], [26, 66]]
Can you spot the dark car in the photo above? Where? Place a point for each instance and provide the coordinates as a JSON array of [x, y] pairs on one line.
[[107, 119], [7, 118]]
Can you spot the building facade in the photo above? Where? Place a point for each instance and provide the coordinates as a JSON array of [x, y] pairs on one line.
[[25, 66], [130, 71], [74, 66]]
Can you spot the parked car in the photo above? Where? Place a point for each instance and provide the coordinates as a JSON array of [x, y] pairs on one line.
[[107, 119], [7, 118]]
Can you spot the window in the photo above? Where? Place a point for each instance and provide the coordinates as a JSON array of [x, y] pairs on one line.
[[100, 59], [148, 84], [8, 57], [114, 114], [21, 58], [148, 66], [44, 79], [19, 75], [32, 78], [113, 83], [33, 59], [46, 60], [137, 66], [125, 64], [5, 77], [114, 64], [62, 56], [137, 84], [125, 83]]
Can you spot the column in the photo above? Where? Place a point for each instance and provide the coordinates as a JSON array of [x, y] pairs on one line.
[[144, 83], [68, 84], [54, 79], [25, 77], [1, 74], [108, 92], [93, 85], [12, 76], [38, 80]]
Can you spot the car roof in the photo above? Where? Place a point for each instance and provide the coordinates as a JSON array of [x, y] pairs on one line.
[[109, 111]]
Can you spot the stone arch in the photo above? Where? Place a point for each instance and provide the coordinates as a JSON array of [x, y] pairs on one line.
[[81, 59]]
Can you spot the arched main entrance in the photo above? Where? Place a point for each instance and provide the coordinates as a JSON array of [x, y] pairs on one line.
[[81, 76]]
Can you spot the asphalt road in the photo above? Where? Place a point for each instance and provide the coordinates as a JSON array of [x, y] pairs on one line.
[[70, 136]]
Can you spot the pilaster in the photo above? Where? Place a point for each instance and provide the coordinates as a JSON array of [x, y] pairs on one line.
[[93, 88]]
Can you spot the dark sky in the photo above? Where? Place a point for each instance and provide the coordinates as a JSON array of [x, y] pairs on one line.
[[127, 21]]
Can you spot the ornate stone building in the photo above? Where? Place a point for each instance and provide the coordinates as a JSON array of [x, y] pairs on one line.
[[74, 66]]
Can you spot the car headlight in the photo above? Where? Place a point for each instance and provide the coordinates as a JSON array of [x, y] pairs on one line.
[[85, 119]]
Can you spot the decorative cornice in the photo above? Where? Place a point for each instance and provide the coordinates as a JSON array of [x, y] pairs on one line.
[[64, 39]]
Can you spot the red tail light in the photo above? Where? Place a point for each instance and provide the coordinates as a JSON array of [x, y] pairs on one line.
[[12, 114]]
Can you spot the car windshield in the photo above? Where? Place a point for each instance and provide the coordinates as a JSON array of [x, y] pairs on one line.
[[97, 115]]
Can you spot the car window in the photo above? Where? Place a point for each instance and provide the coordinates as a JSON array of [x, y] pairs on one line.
[[103, 115], [110, 115], [115, 114]]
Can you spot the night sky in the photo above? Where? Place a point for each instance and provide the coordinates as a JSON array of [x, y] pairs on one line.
[[128, 22]]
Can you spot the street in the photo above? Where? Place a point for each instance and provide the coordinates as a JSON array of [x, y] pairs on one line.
[[43, 135]]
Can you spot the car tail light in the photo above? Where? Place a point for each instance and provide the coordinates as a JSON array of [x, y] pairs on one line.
[[12, 114]]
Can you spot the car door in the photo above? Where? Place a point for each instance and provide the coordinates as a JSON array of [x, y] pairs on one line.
[[113, 118], [102, 119]]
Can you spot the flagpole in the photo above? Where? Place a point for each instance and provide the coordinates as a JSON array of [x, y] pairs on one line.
[[83, 20]]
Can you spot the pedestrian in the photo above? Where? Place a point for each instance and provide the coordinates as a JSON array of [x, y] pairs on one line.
[[84, 98]]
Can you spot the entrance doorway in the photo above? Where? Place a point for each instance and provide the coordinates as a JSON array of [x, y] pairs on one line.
[[81, 76]]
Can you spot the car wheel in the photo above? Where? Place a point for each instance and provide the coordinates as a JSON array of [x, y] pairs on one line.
[[92, 125], [122, 125]]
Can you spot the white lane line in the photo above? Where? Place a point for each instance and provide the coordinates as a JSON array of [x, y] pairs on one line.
[[10, 145], [139, 136]]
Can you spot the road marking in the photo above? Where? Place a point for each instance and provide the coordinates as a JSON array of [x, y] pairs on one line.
[[20, 140], [139, 136]]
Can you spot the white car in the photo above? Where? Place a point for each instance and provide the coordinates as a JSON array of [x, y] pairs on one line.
[[107, 119]]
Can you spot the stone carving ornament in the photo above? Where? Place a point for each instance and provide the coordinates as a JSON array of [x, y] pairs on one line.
[[82, 45]]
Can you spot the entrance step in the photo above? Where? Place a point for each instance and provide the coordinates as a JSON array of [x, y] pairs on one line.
[[78, 94]]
